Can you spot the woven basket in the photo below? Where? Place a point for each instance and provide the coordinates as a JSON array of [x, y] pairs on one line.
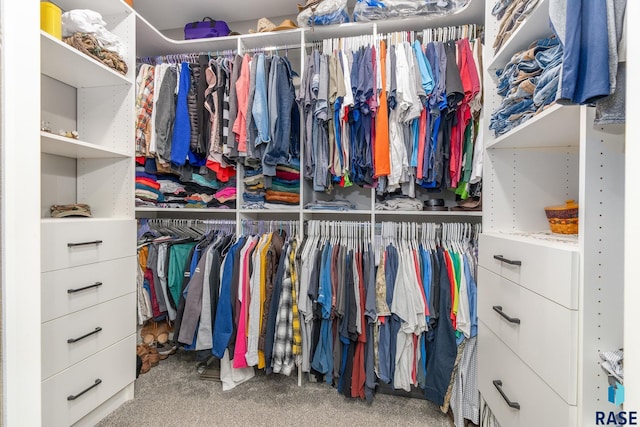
[[563, 219]]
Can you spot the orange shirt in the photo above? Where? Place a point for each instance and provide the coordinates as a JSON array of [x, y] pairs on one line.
[[381, 147]]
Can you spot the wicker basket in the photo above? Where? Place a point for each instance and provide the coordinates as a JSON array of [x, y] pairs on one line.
[[563, 219]]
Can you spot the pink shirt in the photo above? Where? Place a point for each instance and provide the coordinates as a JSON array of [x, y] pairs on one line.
[[242, 88], [240, 351]]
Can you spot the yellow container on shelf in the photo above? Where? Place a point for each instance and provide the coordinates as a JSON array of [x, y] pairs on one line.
[[51, 19]]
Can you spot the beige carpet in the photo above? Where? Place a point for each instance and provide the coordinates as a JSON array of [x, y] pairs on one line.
[[172, 394]]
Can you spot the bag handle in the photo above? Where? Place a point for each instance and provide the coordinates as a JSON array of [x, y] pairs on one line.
[[212, 22]]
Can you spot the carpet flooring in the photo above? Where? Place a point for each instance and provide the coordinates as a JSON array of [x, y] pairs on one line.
[[172, 394]]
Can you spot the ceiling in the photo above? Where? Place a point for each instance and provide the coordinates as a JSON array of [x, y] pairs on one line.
[[169, 14]]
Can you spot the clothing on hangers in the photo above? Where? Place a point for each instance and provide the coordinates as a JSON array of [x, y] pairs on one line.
[[424, 128]]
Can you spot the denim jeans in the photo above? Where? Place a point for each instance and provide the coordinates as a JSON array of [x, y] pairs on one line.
[[277, 151], [500, 122], [547, 87], [523, 90], [259, 109], [549, 57]]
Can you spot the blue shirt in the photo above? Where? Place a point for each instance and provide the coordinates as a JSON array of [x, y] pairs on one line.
[[585, 70]]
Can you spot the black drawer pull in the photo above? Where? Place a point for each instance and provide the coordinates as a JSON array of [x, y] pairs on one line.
[[95, 331], [498, 309], [507, 261], [498, 385], [95, 242], [95, 285], [95, 384]]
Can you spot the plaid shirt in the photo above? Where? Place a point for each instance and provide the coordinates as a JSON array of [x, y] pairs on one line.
[[282, 343], [297, 337], [144, 108]]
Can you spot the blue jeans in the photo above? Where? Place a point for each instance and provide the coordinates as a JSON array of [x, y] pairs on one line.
[[547, 58], [260, 109], [500, 122], [547, 87], [278, 151]]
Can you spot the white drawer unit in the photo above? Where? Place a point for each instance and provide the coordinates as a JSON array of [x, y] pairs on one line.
[[542, 333], [548, 271], [70, 243], [516, 395], [70, 339], [73, 393], [73, 289]]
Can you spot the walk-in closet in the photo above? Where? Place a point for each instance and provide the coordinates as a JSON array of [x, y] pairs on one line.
[[388, 212]]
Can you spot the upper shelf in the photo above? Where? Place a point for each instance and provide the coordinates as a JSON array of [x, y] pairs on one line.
[[62, 62], [547, 238], [105, 8], [557, 126], [51, 143], [431, 213], [534, 27], [150, 42]]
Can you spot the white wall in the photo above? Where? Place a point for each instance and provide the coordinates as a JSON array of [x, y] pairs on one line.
[[20, 213], [632, 226]]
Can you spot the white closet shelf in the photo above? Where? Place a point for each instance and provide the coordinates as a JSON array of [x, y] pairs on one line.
[[350, 29], [338, 213], [557, 126], [96, 220], [430, 213], [472, 13], [560, 241], [534, 27], [64, 63], [269, 211], [185, 210], [51, 143], [105, 8], [150, 42], [276, 38]]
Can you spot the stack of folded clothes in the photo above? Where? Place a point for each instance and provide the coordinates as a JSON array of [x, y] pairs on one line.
[[510, 13], [148, 191], [253, 195], [529, 82], [168, 191], [398, 202], [71, 210], [284, 188], [330, 205]]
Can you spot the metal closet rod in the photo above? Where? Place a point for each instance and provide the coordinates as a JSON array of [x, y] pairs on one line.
[[193, 56]]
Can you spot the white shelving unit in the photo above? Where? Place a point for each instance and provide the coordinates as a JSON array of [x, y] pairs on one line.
[[574, 282], [87, 265], [152, 43], [68, 147]]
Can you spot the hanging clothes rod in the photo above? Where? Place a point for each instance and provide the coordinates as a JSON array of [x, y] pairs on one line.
[[270, 49], [263, 226], [441, 34], [191, 58]]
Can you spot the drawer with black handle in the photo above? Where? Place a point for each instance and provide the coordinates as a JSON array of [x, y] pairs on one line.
[[76, 391], [516, 395], [72, 338], [80, 241]]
